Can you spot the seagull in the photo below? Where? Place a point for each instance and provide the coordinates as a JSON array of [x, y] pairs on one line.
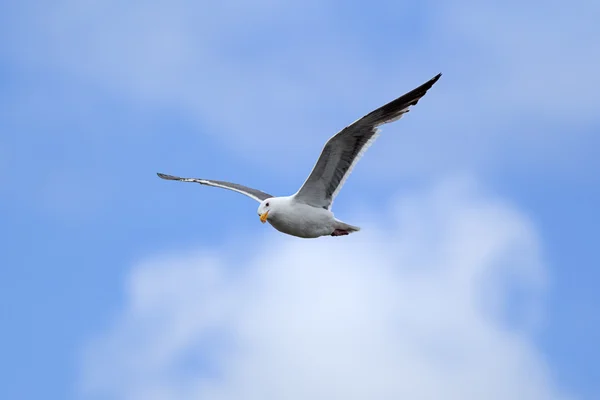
[[307, 213]]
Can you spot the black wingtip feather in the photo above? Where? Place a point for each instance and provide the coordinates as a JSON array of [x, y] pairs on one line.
[[390, 110], [167, 177], [421, 90]]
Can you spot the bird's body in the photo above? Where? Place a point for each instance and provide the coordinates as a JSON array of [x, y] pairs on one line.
[[288, 215], [307, 213], [299, 219]]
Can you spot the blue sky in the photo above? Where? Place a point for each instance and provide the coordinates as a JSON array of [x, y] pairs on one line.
[[475, 271]]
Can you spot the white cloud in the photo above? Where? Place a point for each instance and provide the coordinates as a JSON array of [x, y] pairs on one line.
[[417, 306]]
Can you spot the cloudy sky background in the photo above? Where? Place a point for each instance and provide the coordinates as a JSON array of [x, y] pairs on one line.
[[475, 273]]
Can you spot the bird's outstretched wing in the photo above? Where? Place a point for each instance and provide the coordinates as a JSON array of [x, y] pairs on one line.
[[252, 193], [343, 150]]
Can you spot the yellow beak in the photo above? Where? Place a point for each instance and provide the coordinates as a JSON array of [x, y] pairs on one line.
[[263, 217]]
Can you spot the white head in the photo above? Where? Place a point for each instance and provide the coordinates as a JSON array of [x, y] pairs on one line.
[[265, 208]]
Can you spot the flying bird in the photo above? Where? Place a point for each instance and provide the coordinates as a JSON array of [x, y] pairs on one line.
[[307, 213]]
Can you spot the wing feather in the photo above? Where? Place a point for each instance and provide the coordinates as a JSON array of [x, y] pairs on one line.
[[343, 150], [247, 191]]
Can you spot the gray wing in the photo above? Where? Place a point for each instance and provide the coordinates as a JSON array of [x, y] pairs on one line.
[[252, 193], [343, 150]]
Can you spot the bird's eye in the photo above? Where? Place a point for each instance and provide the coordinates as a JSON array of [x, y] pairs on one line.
[[267, 204]]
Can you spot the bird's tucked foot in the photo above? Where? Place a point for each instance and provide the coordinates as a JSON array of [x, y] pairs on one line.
[[339, 232]]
